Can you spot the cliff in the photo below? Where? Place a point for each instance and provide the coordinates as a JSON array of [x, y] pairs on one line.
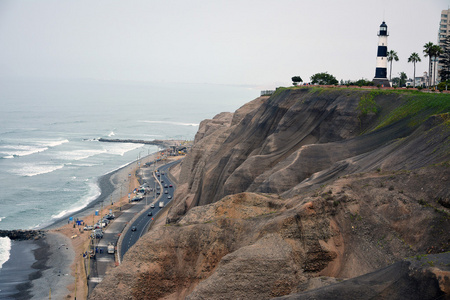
[[300, 190]]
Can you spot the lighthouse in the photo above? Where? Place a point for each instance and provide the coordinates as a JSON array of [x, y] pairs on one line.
[[381, 70]]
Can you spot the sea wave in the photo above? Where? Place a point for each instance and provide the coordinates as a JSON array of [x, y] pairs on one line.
[[120, 148], [171, 123], [5, 250], [79, 154], [52, 143], [29, 170], [111, 134], [93, 192], [12, 151], [15, 150]]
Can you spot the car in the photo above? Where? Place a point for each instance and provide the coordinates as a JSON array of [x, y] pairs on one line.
[[152, 205], [89, 227], [110, 216], [166, 192], [133, 228], [150, 214], [170, 185], [169, 197], [162, 181], [165, 185]]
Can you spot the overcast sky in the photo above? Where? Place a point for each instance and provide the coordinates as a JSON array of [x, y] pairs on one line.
[[258, 43]]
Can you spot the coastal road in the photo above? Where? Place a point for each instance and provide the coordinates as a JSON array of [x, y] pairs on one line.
[[138, 213], [142, 222]]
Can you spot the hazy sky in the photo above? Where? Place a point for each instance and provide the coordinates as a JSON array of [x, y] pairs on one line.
[[259, 43]]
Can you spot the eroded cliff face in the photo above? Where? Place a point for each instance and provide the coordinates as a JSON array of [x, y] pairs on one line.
[[299, 139], [295, 192]]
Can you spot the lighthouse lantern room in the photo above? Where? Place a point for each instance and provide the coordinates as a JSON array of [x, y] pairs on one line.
[[381, 69]]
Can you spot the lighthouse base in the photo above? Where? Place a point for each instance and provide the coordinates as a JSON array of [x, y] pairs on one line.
[[381, 81]]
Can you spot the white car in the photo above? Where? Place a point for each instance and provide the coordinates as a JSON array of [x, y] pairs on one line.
[[152, 205]]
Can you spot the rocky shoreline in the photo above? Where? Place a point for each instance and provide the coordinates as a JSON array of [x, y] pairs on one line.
[[23, 235]]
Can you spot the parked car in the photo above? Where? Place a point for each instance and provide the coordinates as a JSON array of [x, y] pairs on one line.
[[97, 234], [89, 227], [110, 216]]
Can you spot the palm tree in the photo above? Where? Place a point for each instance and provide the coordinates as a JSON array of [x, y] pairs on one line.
[[436, 51], [414, 58], [391, 55], [428, 50]]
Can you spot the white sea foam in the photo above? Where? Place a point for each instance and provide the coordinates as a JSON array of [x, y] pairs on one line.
[[120, 148], [79, 154], [171, 123], [84, 165], [11, 151], [93, 193], [111, 134], [52, 143], [29, 170], [16, 150], [5, 250]]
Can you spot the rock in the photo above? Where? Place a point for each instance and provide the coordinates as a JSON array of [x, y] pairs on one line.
[[409, 279], [22, 234]]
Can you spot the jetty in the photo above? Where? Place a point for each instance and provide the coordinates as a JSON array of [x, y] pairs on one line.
[[161, 143]]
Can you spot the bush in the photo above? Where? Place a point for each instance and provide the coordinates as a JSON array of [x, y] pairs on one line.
[[443, 86]]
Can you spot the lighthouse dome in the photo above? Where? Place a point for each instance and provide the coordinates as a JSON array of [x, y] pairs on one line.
[[383, 29]]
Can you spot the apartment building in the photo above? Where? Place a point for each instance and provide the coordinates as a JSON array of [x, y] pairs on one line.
[[444, 31]]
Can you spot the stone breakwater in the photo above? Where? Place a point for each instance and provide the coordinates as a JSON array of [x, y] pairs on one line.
[[21, 235], [160, 143]]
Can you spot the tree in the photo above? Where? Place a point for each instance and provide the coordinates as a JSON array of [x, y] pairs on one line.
[[403, 78], [296, 80], [414, 58], [436, 51], [428, 50], [363, 82], [395, 81], [391, 56], [323, 79], [444, 59]]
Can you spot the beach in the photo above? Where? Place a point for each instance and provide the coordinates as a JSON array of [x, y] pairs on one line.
[[51, 265]]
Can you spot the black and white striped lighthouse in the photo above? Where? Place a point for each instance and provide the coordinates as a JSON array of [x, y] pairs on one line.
[[381, 70]]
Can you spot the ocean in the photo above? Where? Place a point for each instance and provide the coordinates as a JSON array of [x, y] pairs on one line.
[[50, 158]]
